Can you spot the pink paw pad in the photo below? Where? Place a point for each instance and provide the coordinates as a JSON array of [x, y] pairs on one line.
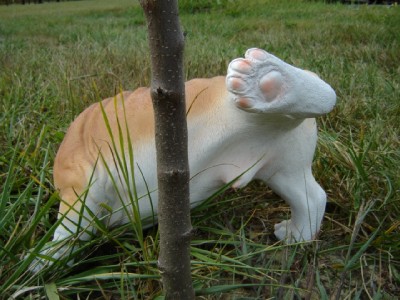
[[236, 84], [244, 102], [256, 54], [271, 84], [241, 65]]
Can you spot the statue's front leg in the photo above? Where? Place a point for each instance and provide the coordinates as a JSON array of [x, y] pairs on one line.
[[307, 202]]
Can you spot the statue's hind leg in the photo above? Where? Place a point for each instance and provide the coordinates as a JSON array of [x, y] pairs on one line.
[[75, 218], [261, 82]]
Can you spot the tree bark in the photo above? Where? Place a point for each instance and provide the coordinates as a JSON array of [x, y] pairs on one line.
[[168, 95]]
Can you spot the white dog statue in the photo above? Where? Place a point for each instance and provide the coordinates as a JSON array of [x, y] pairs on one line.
[[255, 123]]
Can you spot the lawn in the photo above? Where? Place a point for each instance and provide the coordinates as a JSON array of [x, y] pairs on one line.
[[57, 58]]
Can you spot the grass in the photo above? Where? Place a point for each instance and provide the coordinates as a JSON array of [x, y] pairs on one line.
[[56, 58]]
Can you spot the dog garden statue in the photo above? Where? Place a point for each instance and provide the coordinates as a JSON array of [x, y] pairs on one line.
[[255, 123]]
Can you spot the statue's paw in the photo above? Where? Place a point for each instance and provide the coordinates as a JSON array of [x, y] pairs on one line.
[[286, 231], [37, 264], [51, 253], [283, 231], [253, 79], [261, 82]]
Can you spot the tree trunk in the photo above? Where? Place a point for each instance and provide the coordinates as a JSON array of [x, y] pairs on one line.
[[168, 95]]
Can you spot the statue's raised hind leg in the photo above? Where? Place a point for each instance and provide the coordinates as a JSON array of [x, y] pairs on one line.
[[263, 83]]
